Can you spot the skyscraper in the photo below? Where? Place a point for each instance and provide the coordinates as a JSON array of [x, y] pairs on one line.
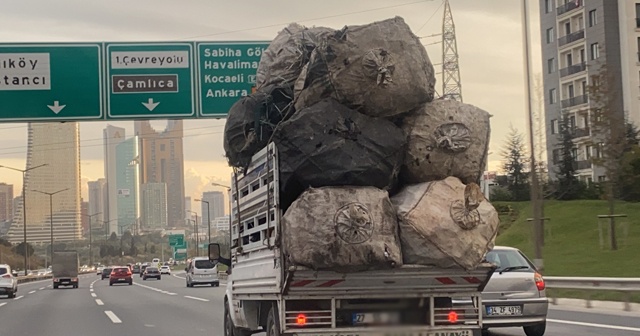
[[97, 200], [154, 206], [58, 146], [127, 186], [216, 205], [162, 161], [84, 219], [112, 136], [6, 202]]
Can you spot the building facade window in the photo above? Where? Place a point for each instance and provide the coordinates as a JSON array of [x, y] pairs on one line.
[[548, 6], [593, 18], [550, 37], [552, 96], [554, 126], [587, 151], [551, 65], [595, 51]]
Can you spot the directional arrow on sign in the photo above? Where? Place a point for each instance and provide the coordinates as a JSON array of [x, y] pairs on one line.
[[56, 107], [150, 105]]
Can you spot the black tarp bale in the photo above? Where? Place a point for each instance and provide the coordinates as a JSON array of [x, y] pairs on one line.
[[329, 144]]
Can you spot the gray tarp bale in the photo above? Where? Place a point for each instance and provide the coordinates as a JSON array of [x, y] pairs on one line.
[[329, 144], [445, 223], [344, 229], [446, 138], [282, 62], [380, 69]]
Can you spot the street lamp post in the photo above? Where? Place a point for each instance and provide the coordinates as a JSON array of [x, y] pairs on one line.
[[195, 224], [90, 240], [24, 211], [50, 194], [208, 218]]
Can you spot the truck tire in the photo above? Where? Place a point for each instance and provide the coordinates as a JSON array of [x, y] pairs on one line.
[[229, 328], [535, 330], [11, 295], [55, 286], [273, 324]]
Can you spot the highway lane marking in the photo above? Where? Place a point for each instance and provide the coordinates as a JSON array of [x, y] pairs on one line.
[[2, 304], [41, 288], [99, 302], [196, 298], [19, 297], [91, 289], [31, 292], [93, 295], [594, 325], [112, 316]]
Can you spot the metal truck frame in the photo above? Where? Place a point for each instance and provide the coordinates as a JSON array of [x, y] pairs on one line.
[[265, 293]]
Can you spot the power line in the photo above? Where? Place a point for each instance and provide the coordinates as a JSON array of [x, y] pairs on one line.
[[429, 19], [305, 20]]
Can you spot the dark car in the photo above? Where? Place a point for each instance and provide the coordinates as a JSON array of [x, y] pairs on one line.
[[151, 272], [142, 268], [135, 269], [120, 275], [106, 272]]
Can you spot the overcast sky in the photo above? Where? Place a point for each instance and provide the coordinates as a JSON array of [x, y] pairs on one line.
[[489, 36]]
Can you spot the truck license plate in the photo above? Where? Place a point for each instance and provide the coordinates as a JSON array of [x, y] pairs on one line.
[[504, 310], [378, 318]]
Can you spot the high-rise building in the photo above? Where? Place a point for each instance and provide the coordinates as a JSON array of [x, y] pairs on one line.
[[216, 205], [162, 161], [112, 136], [6, 202], [187, 207], [97, 201], [220, 224], [58, 146], [154, 206], [127, 186], [578, 37], [84, 219]]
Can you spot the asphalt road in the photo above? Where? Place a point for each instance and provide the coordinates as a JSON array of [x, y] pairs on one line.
[[167, 307]]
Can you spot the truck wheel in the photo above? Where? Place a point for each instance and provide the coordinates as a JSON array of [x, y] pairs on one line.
[[55, 286], [229, 328], [273, 324], [535, 330], [11, 295]]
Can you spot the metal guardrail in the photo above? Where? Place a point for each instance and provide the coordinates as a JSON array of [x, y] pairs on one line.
[[32, 278], [622, 285]]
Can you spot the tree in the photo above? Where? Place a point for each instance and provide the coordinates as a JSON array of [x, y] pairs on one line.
[[515, 165], [20, 249], [152, 249], [133, 250], [568, 186], [113, 238], [608, 122]]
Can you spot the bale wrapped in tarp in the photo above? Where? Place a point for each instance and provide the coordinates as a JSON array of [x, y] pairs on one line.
[[251, 122], [445, 223], [380, 69], [282, 62], [329, 144], [446, 138], [344, 229]]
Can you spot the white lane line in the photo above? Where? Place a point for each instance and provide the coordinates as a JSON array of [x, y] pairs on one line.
[[99, 302], [172, 294], [31, 292], [41, 288], [49, 286], [594, 325], [93, 295], [19, 297], [2, 304], [112, 316], [196, 298], [91, 289]]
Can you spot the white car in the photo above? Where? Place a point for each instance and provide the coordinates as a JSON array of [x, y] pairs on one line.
[[165, 270], [8, 282]]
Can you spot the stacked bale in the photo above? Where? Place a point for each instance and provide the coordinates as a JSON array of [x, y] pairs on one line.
[[352, 114]]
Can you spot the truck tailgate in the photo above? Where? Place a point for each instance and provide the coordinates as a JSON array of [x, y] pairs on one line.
[[406, 280]]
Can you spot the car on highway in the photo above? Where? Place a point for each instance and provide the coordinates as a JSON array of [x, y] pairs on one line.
[[120, 274], [202, 271], [142, 268], [165, 270], [106, 272], [99, 270], [8, 282], [135, 269], [151, 272], [515, 294]]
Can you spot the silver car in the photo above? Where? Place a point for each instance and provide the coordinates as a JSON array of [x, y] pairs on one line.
[[8, 282], [515, 294]]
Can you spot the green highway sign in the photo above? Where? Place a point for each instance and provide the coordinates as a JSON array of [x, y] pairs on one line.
[[176, 240], [150, 80], [48, 82], [226, 73]]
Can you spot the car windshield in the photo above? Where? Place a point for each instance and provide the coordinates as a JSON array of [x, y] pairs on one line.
[[511, 260], [207, 264], [106, 270]]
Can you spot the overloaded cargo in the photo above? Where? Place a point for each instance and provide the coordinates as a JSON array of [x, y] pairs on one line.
[[352, 115]]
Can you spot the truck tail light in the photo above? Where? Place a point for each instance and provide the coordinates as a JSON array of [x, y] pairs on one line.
[[74, 279], [539, 281], [452, 317], [301, 320], [56, 279]]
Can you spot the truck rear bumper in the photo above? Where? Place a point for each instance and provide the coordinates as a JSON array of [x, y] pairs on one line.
[[65, 281], [406, 331]]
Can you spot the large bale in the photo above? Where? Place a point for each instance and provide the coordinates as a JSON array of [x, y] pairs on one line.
[[344, 229], [445, 224], [446, 138], [282, 62], [329, 144], [380, 69], [251, 122]]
